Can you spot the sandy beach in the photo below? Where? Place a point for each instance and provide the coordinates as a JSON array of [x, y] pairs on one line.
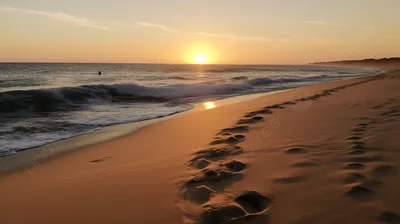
[[326, 153]]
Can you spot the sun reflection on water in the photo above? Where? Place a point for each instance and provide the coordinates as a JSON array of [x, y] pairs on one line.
[[209, 105]]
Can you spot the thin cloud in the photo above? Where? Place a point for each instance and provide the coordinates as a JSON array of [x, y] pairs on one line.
[[79, 21], [315, 22], [237, 37], [218, 35], [257, 38], [322, 39], [158, 26]]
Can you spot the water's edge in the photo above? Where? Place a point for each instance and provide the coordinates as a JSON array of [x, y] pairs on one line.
[[23, 160], [39, 110]]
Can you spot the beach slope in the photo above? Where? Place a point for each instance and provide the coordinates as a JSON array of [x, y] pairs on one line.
[[326, 153]]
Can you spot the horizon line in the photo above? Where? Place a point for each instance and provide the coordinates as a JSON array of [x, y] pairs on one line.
[[146, 63]]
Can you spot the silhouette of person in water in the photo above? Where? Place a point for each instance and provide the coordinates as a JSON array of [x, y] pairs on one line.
[[99, 73]]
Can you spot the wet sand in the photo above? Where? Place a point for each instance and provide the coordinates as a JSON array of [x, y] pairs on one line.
[[326, 153]]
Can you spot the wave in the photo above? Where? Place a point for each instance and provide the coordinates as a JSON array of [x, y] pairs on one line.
[[159, 77], [44, 127], [239, 70], [261, 68], [240, 78], [32, 133], [70, 98]]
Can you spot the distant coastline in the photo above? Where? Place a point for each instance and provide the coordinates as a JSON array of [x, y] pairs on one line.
[[385, 63]]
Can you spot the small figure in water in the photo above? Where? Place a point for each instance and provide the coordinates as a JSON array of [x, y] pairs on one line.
[[99, 73]]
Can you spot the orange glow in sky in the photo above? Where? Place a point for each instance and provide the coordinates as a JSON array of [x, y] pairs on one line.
[[244, 32]]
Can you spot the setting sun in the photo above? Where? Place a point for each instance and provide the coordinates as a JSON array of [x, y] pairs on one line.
[[200, 54], [200, 58]]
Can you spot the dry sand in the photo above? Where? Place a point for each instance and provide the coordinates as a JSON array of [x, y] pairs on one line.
[[327, 153]]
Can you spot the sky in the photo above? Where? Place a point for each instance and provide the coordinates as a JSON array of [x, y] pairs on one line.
[[206, 31]]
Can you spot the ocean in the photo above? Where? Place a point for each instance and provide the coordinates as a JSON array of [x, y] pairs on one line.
[[46, 102]]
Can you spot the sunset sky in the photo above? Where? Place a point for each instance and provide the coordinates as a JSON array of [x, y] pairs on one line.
[[183, 31]]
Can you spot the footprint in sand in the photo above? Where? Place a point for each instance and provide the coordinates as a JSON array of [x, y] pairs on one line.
[[245, 208], [217, 142], [361, 193], [354, 138], [358, 130], [395, 112], [236, 129], [275, 106], [201, 163], [391, 120], [206, 187], [354, 178], [221, 213], [315, 97], [254, 113], [327, 92], [235, 166], [362, 118], [373, 122], [214, 154], [301, 99], [371, 184], [289, 103], [304, 164], [356, 152], [355, 166], [388, 217], [211, 176], [235, 139], [366, 159], [101, 160], [362, 125], [225, 133], [220, 173], [296, 150], [253, 202], [384, 170], [200, 194], [357, 145], [250, 120], [230, 140]]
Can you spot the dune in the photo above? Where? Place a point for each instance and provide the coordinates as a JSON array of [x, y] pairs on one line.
[[327, 153]]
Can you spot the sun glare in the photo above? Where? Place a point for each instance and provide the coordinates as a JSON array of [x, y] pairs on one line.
[[200, 54], [200, 58], [209, 105]]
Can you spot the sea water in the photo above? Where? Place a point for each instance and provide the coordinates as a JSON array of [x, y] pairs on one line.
[[43, 102]]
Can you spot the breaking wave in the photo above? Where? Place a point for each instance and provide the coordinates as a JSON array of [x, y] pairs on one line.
[[70, 98]]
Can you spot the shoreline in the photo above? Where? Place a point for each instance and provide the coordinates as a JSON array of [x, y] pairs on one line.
[[99, 130], [25, 159], [290, 160]]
